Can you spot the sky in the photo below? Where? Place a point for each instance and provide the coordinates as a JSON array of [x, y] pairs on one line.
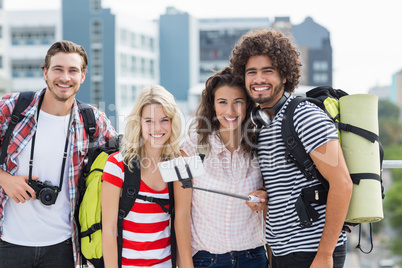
[[366, 35]]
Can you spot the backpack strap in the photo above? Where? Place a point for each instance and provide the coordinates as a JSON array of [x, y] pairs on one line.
[[24, 99], [160, 201], [295, 151], [173, 243], [88, 117], [131, 186], [368, 135]]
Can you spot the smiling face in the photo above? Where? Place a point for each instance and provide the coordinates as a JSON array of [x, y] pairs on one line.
[[230, 107], [156, 125], [263, 82], [64, 75]]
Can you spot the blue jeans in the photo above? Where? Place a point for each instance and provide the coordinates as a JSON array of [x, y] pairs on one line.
[[304, 259], [59, 255], [252, 258]]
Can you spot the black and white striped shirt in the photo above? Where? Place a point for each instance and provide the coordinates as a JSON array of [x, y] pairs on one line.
[[284, 181]]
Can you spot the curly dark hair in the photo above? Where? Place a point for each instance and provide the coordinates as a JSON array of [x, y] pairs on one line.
[[279, 48], [206, 121]]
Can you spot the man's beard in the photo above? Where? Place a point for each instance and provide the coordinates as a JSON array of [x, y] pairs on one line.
[[275, 93], [58, 98]]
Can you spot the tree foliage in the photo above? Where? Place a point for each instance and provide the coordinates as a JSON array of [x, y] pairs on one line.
[[390, 130]]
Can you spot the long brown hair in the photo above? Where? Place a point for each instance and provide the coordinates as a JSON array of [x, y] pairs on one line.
[[206, 121]]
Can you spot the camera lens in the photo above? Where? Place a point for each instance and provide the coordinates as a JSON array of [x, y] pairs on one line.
[[47, 196]]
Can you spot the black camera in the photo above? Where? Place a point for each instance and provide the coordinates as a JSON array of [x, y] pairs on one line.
[[45, 191]]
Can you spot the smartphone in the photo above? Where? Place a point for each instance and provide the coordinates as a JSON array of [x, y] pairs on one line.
[[168, 172]]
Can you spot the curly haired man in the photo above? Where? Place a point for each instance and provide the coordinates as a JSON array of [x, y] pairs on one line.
[[269, 65]]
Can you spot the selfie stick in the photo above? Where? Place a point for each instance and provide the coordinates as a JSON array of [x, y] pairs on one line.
[[187, 183]]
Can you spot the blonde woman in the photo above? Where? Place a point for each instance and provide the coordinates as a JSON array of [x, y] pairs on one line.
[[152, 135]]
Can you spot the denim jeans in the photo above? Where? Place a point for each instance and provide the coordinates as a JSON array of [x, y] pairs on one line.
[[304, 259], [252, 258], [59, 255]]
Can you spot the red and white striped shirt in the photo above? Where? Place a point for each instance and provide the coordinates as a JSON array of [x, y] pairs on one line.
[[146, 231]]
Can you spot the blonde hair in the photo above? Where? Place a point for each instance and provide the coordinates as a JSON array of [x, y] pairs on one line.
[[133, 144]]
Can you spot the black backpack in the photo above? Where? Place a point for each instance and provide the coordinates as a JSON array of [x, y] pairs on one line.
[[296, 154], [23, 101]]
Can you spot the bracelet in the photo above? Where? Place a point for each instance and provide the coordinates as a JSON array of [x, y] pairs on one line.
[[261, 189]]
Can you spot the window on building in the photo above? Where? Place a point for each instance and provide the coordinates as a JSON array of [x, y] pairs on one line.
[[1, 62], [96, 5], [124, 95], [26, 68], [32, 35], [152, 44], [123, 64], [133, 93], [1, 31], [1, 4], [143, 42], [133, 40], [96, 32], [133, 64], [96, 62], [320, 66], [320, 78], [96, 93], [143, 67], [123, 36], [152, 68]]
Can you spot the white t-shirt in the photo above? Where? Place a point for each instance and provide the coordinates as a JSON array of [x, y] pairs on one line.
[[33, 223]]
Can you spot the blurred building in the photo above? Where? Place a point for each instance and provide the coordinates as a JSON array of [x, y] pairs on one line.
[[395, 92], [179, 52], [395, 95], [217, 39], [29, 34], [123, 55], [382, 92], [5, 73], [314, 43]]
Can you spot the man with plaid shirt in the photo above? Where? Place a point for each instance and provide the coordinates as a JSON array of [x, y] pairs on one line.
[[49, 140]]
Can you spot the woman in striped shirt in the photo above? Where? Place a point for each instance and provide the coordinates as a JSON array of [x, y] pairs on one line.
[[152, 135], [215, 230]]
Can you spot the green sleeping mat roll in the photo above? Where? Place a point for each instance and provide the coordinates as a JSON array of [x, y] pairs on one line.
[[362, 156]]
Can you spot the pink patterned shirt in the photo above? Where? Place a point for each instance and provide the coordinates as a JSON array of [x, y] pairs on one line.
[[220, 223]]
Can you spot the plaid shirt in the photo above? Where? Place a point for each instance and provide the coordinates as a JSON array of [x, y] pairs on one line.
[[220, 223], [79, 141]]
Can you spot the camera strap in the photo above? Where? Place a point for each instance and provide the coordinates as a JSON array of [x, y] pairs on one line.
[[65, 146]]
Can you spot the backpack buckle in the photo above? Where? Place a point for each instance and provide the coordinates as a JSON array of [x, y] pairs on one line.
[[91, 130], [308, 165], [121, 214], [15, 119], [149, 199], [291, 142], [131, 193]]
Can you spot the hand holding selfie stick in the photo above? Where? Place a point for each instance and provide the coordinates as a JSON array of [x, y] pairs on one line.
[[187, 183]]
